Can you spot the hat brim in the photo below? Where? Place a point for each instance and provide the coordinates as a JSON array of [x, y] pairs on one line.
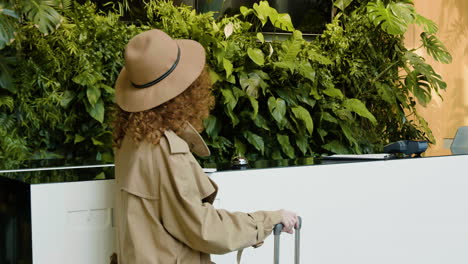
[[190, 66]]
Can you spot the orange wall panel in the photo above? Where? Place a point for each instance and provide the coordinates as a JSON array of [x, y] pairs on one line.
[[447, 114]]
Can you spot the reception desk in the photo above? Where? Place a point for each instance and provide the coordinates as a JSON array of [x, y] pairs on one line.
[[403, 211]]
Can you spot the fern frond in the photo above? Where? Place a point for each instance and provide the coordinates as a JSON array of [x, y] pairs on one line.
[[63, 4], [7, 122], [6, 101]]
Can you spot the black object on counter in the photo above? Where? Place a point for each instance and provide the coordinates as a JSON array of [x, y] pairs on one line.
[[407, 147]]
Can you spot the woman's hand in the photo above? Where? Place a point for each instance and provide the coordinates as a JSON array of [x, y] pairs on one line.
[[289, 221]]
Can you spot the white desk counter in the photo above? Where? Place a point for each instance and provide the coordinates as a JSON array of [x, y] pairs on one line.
[[412, 211]]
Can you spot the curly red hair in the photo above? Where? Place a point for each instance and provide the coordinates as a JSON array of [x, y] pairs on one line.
[[193, 106]]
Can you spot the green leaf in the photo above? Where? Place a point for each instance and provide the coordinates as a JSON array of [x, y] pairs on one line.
[[255, 140], [63, 4], [262, 11], [314, 92], [245, 11], [359, 108], [301, 143], [100, 176], [292, 48], [428, 25], [78, 138], [277, 110], [282, 21], [285, 145], [215, 27], [228, 67], [86, 78], [238, 93], [9, 12], [96, 111], [285, 65], [348, 133], [287, 95], [302, 114], [344, 114], [418, 84], [254, 104], [231, 79], [234, 119], [240, 147], [315, 56], [342, 4], [303, 95], [257, 56], [93, 93], [436, 48], [214, 77], [251, 83], [276, 155], [260, 37], [336, 147], [107, 88], [333, 92], [96, 142], [7, 30], [67, 97], [306, 70], [328, 117], [229, 98], [322, 133], [423, 73], [212, 126], [6, 101], [386, 92], [385, 17], [404, 11], [260, 122], [43, 15]]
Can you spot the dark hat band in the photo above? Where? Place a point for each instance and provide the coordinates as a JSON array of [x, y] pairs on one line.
[[162, 77]]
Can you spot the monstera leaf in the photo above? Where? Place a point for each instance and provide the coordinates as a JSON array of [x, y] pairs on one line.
[[422, 78], [436, 48], [43, 14], [428, 25], [7, 26], [393, 18]]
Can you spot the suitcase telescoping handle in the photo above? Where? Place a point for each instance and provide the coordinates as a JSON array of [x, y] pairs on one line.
[[297, 242]]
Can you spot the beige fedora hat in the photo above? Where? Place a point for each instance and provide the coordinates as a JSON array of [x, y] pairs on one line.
[[157, 69]]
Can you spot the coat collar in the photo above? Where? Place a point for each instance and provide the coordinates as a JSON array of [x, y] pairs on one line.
[[191, 137]]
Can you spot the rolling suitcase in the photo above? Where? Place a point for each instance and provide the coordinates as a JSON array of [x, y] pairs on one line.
[[297, 237]]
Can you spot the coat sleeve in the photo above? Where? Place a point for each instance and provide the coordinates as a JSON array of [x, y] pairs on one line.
[[199, 225]]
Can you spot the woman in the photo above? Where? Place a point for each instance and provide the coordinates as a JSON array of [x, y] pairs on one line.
[[164, 211]]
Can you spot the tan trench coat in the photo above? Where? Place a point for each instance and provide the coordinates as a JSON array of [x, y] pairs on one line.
[[164, 211]]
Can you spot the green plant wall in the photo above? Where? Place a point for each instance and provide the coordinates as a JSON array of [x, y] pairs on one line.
[[351, 90]]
